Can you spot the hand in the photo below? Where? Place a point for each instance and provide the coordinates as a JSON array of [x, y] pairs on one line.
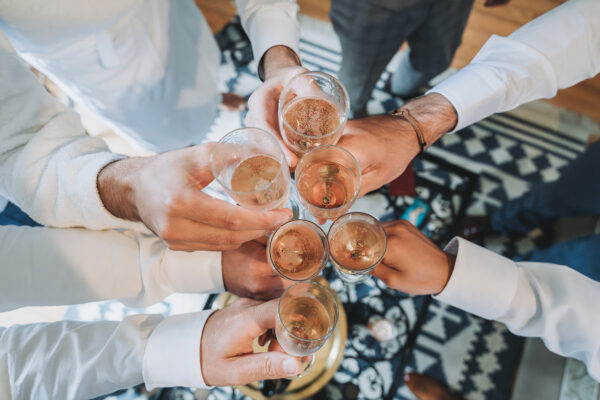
[[385, 144], [165, 193], [226, 355], [412, 263], [247, 273], [280, 65]]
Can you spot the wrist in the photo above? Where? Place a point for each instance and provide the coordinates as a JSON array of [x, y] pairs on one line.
[[434, 114], [277, 58], [116, 188]]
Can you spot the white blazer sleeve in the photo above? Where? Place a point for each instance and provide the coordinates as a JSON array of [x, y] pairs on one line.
[[49, 266], [549, 301], [83, 360], [270, 23], [554, 51], [48, 165]]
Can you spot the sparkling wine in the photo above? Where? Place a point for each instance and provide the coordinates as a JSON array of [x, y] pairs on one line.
[[356, 245], [306, 318], [258, 185], [297, 251], [254, 173], [327, 184], [312, 116]]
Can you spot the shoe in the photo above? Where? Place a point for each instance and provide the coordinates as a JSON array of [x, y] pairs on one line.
[[474, 228], [427, 388]]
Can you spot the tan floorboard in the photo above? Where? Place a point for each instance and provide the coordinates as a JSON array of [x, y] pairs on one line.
[[483, 22]]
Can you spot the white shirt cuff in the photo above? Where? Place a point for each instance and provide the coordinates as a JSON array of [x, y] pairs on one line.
[[172, 354], [482, 283], [272, 26], [194, 272]]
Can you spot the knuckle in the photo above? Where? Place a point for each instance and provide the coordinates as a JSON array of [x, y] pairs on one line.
[[269, 369], [233, 222]]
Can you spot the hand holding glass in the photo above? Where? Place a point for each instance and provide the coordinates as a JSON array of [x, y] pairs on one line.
[[306, 318], [313, 109]]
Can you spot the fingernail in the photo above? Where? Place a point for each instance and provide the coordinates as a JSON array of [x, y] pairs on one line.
[[290, 366], [286, 215]]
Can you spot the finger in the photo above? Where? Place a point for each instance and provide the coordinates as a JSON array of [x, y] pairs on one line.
[[263, 240], [197, 246], [395, 252], [261, 317], [390, 276], [206, 209], [270, 365], [187, 231]]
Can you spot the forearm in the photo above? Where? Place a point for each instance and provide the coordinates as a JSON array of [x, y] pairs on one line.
[[269, 24], [83, 360], [73, 360], [48, 165], [554, 51], [40, 263], [548, 301]]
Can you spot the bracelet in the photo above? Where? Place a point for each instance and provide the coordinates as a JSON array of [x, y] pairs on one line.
[[405, 115]]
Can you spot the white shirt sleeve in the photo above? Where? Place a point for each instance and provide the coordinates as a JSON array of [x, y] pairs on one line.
[[270, 23], [48, 165], [549, 301], [83, 360], [554, 51], [48, 266]]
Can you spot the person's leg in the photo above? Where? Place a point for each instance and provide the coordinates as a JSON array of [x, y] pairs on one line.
[[370, 34], [575, 193], [432, 45], [581, 254]]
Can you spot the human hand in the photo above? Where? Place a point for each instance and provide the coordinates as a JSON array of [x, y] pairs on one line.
[[280, 65], [226, 355], [385, 144], [165, 193], [247, 273], [412, 263]]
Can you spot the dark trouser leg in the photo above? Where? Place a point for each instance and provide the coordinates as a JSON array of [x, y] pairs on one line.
[[581, 254], [370, 35], [12, 215], [432, 45], [575, 193]]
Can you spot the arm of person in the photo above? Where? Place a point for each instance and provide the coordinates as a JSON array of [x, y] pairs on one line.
[[63, 178], [552, 302], [552, 52], [49, 266], [274, 33], [82, 360], [48, 165]]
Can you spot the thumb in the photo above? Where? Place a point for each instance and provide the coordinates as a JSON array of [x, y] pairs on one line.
[[270, 365]]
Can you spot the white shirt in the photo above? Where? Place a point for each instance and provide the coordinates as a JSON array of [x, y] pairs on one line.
[[149, 68], [549, 301], [553, 302], [48, 166], [74, 360], [554, 51]]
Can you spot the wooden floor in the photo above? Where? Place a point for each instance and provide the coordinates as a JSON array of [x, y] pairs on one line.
[[484, 21]]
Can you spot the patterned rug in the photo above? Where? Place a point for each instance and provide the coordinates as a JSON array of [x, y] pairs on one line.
[[507, 152]]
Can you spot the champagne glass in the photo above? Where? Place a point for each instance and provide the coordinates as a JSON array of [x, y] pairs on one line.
[[313, 109], [250, 165], [328, 181], [357, 243], [298, 250], [306, 317]]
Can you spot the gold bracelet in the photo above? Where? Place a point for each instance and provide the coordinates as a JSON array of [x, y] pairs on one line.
[[405, 115]]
